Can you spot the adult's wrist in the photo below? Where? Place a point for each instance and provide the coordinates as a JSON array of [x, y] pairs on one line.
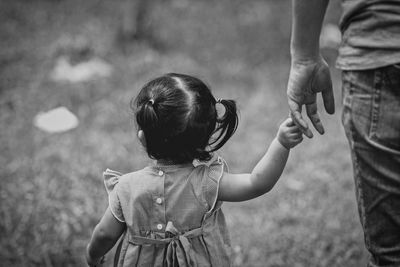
[[304, 49], [305, 58]]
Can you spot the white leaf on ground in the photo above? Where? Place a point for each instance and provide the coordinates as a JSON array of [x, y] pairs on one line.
[[56, 120], [83, 71], [294, 185], [330, 36]]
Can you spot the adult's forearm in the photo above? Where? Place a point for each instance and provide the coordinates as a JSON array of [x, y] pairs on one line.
[[308, 16]]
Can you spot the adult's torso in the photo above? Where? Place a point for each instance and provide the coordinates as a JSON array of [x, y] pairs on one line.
[[371, 34]]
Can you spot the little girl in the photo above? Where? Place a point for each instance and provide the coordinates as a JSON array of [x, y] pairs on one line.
[[170, 212]]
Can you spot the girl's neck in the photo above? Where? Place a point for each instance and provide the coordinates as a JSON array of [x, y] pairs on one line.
[[166, 162]]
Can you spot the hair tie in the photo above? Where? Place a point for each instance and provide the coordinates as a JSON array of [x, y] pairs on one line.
[[219, 100], [151, 101]]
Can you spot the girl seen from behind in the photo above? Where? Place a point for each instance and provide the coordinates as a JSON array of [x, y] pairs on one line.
[[170, 213]]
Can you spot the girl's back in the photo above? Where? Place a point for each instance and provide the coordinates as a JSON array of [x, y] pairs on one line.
[[172, 215]]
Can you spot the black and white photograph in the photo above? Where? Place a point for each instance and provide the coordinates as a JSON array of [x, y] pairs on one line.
[[195, 133]]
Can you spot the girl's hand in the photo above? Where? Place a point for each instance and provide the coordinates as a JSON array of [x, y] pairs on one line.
[[94, 262], [289, 135]]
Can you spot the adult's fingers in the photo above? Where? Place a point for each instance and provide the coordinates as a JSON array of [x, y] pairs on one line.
[[295, 114], [329, 99], [292, 126], [289, 122], [324, 83], [312, 113]]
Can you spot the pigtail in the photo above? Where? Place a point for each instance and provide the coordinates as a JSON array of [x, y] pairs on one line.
[[226, 125], [146, 116], [147, 120]]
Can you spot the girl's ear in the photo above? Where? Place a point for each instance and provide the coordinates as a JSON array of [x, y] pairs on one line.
[[141, 137]]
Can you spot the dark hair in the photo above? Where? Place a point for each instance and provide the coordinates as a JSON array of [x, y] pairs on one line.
[[178, 116]]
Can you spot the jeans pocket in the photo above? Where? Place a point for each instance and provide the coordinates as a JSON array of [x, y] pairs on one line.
[[385, 115], [373, 97], [358, 92]]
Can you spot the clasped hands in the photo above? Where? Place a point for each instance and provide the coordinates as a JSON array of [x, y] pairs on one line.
[[308, 78]]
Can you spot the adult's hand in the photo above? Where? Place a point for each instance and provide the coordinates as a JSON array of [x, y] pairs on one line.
[[308, 78]]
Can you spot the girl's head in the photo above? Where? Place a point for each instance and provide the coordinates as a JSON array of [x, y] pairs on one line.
[[178, 116]]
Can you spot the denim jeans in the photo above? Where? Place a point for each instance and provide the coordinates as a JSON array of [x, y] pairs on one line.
[[371, 118]]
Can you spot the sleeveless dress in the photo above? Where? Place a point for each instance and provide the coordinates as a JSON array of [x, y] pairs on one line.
[[172, 215]]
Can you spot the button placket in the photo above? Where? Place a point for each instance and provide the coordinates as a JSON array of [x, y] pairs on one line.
[[159, 201]]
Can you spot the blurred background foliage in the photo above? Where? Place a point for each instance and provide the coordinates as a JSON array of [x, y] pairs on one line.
[[52, 193]]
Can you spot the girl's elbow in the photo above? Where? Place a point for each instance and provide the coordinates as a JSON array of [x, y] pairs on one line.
[[259, 191], [261, 188]]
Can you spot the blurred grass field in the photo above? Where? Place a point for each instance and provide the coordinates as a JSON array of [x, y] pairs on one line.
[[52, 193]]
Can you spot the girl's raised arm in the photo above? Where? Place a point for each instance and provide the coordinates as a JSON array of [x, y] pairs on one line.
[[241, 187]]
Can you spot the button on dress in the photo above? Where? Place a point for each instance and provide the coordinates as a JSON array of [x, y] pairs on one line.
[[172, 215]]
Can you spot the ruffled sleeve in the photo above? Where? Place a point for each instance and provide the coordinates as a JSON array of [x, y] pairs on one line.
[[215, 171], [111, 179]]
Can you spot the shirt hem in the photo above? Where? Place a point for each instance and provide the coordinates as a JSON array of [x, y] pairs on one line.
[[354, 65]]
